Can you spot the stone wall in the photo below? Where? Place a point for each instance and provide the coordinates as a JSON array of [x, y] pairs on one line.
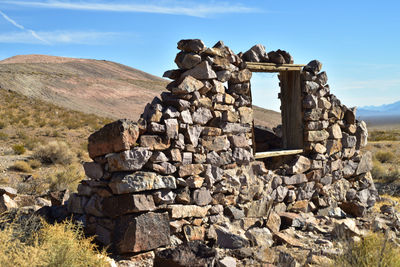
[[186, 171]]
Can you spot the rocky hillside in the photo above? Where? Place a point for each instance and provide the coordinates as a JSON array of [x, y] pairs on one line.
[[98, 87]]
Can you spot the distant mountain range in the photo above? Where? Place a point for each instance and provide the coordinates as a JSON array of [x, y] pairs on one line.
[[386, 110]]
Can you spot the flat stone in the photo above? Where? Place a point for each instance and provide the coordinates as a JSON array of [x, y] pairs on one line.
[[141, 233], [300, 165], [154, 142], [282, 238], [128, 203], [349, 140], [365, 164], [261, 237], [299, 206], [335, 131], [165, 168], [114, 137], [190, 169], [241, 76], [186, 60], [202, 71], [130, 160], [94, 206], [235, 128], [246, 115], [76, 204], [202, 116], [274, 222], [333, 146], [191, 45], [188, 85], [11, 192], [195, 181], [193, 233], [202, 197], [217, 143], [295, 179], [193, 134], [227, 262], [123, 183], [164, 196], [242, 156], [227, 239], [7, 203], [171, 128], [158, 156], [93, 170], [187, 211], [157, 128], [186, 117], [176, 155], [316, 136], [233, 213]]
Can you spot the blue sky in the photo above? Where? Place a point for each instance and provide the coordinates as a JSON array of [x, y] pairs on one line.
[[357, 41]]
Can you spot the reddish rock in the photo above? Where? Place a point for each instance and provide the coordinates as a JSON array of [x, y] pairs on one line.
[[154, 142], [141, 233], [114, 137], [127, 203]]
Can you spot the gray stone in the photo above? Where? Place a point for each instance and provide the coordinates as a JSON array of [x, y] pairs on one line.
[[163, 168], [158, 156], [365, 164], [11, 192], [235, 128], [7, 203], [193, 134], [300, 165], [242, 156], [227, 262], [313, 66], [362, 135], [191, 45], [335, 131], [256, 54], [241, 76], [227, 239], [94, 206], [233, 213], [171, 113], [295, 179], [154, 127], [216, 143], [188, 85], [141, 233], [130, 160], [349, 140], [259, 237], [202, 115], [187, 211], [310, 101], [202, 71], [164, 196], [186, 60], [310, 87], [280, 193], [202, 197], [154, 142], [223, 75], [172, 128], [316, 136], [322, 78], [93, 170], [186, 117], [123, 183]]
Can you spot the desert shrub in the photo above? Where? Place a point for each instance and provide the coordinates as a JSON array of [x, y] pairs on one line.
[[34, 163], [2, 124], [54, 152], [67, 178], [19, 149], [385, 156], [31, 242], [373, 250], [34, 186], [378, 171], [3, 136], [21, 166]]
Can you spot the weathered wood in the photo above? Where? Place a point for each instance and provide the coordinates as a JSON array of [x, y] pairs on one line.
[[272, 67], [277, 153], [291, 110]]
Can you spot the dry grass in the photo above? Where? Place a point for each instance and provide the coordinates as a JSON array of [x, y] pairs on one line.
[[48, 134], [373, 250], [387, 200], [21, 166], [28, 241]]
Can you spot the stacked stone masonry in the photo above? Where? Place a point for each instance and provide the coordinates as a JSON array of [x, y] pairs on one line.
[[186, 171]]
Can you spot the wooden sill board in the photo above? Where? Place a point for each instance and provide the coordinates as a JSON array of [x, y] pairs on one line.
[[272, 67], [277, 153]]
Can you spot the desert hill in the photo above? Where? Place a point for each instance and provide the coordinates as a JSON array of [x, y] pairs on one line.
[[98, 87]]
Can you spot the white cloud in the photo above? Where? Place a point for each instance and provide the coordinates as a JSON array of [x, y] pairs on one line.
[[169, 7], [19, 26], [59, 37]]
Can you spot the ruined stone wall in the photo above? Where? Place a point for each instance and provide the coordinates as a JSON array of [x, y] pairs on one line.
[[185, 171]]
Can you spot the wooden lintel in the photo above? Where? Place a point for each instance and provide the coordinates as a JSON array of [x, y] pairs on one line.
[[272, 67], [269, 154]]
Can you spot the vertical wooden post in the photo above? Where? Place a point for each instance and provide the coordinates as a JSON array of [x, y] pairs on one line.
[[291, 110]]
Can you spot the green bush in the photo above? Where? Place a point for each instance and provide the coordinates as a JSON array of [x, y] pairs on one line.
[[27, 242], [373, 250], [19, 149]]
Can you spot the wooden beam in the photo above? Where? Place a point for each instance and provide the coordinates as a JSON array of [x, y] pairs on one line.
[[278, 153], [272, 67]]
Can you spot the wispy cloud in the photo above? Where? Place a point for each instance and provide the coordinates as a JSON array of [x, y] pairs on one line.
[[59, 37], [169, 7], [19, 26]]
